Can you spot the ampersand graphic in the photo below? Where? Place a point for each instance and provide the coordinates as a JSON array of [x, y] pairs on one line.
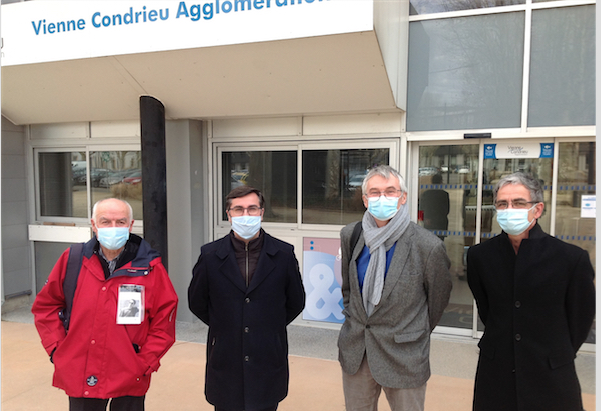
[[321, 303]]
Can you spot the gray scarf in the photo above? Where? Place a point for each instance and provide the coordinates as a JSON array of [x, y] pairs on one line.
[[379, 240]]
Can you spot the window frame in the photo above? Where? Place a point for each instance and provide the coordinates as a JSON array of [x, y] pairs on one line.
[[74, 147], [220, 225]]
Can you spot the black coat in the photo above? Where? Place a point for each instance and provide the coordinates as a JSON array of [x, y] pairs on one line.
[[247, 346], [537, 307]]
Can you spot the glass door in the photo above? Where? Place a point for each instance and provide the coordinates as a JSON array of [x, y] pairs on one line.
[[454, 189], [447, 188]]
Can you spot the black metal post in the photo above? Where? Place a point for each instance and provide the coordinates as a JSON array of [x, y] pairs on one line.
[[154, 174]]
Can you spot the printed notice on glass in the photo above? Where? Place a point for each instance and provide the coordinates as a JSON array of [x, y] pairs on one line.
[[130, 309], [588, 208]]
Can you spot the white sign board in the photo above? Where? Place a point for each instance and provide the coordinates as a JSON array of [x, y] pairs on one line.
[[588, 208], [43, 31], [519, 149]]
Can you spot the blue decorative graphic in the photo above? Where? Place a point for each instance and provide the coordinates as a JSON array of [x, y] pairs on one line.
[[324, 295]]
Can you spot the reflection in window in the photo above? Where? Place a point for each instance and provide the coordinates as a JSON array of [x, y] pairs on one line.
[[441, 6], [448, 186], [62, 179], [465, 72], [274, 173], [332, 183], [576, 183], [117, 174], [562, 68]]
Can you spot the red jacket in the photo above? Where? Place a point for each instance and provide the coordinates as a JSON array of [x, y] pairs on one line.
[[97, 358]]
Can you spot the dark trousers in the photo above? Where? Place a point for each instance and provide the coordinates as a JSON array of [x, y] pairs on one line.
[[98, 404], [274, 408]]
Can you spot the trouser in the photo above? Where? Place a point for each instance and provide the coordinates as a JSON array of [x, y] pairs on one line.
[[274, 408], [126, 403], [361, 393]]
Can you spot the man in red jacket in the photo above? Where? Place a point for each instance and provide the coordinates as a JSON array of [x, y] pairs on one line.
[[106, 355]]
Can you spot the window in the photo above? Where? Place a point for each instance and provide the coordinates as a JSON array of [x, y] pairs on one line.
[[332, 183], [62, 182], [441, 6], [330, 180], [272, 172], [562, 72], [117, 174], [70, 182], [465, 72]]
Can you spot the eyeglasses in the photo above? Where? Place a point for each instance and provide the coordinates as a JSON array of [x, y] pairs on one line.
[[239, 211], [502, 205], [388, 193]]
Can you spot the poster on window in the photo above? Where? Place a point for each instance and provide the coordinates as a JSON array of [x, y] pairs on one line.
[[322, 278]]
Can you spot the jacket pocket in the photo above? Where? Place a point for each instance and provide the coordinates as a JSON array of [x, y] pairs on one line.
[[408, 337], [559, 359]]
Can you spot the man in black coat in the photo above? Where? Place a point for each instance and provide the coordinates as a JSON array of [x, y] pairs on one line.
[[536, 297], [247, 288]]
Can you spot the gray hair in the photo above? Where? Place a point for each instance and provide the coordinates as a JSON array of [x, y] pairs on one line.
[[386, 172], [531, 183], [130, 216]]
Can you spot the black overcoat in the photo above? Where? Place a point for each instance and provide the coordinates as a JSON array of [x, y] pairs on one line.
[[247, 345], [537, 307]]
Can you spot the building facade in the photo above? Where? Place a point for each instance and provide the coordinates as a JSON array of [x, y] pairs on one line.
[[300, 99]]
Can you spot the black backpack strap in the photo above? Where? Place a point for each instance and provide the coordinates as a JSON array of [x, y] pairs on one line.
[[70, 283], [355, 236]]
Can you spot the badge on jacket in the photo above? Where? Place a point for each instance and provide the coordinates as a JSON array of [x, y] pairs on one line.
[[130, 307]]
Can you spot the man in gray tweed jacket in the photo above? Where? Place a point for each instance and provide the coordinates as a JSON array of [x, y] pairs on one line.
[[396, 285]]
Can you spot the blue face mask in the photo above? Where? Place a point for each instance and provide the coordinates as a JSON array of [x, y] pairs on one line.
[[514, 221], [246, 226], [113, 238], [382, 208]]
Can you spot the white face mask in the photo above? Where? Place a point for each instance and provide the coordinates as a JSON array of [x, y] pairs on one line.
[[246, 226], [514, 221], [382, 208], [113, 238]]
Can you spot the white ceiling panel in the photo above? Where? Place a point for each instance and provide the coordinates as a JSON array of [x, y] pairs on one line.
[[317, 75]]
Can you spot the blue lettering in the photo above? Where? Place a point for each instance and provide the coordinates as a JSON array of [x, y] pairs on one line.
[[258, 4], [195, 12], [94, 23], [37, 28], [207, 11], [117, 18], [152, 15], [227, 6], [182, 10], [161, 14], [128, 18], [51, 28], [106, 21], [81, 24], [281, 3], [241, 2]]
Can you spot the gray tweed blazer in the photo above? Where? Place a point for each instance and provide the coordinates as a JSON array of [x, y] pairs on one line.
[[396, 337]]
